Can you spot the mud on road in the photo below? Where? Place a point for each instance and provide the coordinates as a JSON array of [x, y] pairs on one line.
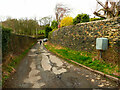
[[41, 69]]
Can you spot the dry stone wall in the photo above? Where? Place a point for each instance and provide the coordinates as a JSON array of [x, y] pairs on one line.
[[83, 37]]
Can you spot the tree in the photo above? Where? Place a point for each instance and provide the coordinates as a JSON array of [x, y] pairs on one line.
[[108, 11], [54, 24], [47, 30], [85, 18], [66, 21], [81, 18], [45, 21], [60, 11], [10, 23], [22, 26], [77, 19]]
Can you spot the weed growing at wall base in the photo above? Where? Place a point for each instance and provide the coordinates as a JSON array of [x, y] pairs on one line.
[[83, 58], [8, 69]]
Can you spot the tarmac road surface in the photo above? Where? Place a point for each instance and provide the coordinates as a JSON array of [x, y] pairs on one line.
[[41, 69]]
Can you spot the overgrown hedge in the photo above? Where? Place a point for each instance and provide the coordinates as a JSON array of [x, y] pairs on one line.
[[14, 45], [95, 19], [47, 30], [6, 33], [80, 18]]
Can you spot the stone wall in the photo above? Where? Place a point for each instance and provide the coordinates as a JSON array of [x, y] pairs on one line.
[[83, 37]]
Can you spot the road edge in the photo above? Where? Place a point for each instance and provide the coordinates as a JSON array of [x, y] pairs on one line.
[[98, 72]]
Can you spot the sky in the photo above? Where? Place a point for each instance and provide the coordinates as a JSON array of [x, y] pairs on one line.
[[42, 8]]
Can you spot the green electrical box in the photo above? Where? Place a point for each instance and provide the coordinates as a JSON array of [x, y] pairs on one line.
[[101, 43]]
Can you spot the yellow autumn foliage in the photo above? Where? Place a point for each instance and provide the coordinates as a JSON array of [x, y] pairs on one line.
[[66, 21]]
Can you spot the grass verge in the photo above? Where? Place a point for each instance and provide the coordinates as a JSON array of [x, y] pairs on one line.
[[84, 58], [10, 68]]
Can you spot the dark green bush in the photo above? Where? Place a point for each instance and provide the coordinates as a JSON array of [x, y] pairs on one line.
[[54, 24], [85, 18], [6, 33], [77, 19], [81, 18], [47, 30], [95, 19]]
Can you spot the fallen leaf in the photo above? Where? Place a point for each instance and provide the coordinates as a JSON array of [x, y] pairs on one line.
[[93, 59], [13, 70]]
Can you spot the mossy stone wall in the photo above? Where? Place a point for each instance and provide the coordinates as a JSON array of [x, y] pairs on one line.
[[83, 37]]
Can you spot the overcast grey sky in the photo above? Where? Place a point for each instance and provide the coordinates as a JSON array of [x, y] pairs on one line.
[[42, 8]]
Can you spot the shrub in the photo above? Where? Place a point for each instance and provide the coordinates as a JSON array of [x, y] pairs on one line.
[[54, 24], [95, 19], [6, 33], [77, 19], [81, 18], [47, 30], [85, 18], [50, 33], [66, 21], [41, 32]]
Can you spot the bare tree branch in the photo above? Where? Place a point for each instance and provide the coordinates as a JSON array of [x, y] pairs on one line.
[[112, 11], [60, 11]]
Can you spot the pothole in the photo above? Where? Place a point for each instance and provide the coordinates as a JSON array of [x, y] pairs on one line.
[[37, 53], [58, 76], [33, 50], [48, 56], [32, 55]]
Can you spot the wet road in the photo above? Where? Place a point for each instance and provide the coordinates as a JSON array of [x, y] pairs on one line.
[[41, 69]]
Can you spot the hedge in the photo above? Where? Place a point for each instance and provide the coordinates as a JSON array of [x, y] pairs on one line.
[[6, 33]]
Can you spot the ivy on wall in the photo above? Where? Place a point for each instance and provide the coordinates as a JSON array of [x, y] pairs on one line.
[[6, 33]]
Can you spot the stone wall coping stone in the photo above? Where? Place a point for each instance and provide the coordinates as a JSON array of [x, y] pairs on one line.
[[115, 18]]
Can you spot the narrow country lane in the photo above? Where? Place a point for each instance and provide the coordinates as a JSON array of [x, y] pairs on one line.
[[41, 69]]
